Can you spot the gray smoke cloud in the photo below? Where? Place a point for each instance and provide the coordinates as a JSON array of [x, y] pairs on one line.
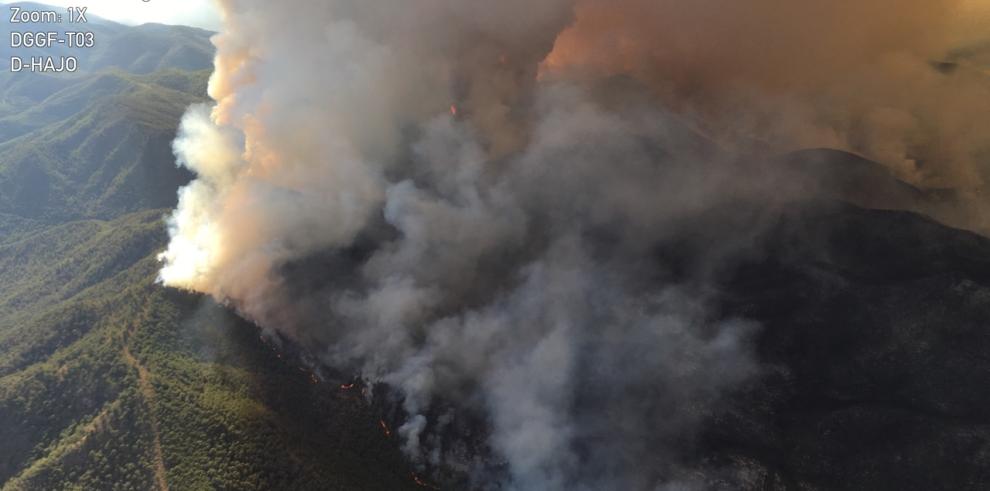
[[423, 193], [532, 294]]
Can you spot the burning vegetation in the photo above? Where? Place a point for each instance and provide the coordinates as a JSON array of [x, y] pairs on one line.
[[501, 256]]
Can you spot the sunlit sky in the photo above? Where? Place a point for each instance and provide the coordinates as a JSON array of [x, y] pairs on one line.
[[199, 13]]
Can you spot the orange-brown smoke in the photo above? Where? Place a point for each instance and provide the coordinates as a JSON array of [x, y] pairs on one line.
[[699, 46], [852, 74]]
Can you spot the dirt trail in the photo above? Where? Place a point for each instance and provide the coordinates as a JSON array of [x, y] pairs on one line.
[[148, 393]]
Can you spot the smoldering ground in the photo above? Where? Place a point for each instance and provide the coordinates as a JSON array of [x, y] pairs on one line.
[[476, 201]]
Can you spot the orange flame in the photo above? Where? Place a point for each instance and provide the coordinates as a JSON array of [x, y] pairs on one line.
[[422, 483], [346, 386], [388, 432], [453, 109]]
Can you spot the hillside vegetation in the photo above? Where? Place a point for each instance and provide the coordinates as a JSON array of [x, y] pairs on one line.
[[107, 380]]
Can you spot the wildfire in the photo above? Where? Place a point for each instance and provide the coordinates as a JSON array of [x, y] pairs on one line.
[[388, 432], [422, 483], [453, 109], [313, 378], [346, 386]]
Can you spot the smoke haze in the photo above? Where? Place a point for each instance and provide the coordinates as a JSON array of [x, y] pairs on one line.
[[853, 75], [463, 199]]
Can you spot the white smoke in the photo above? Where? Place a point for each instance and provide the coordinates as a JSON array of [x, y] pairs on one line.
[[390, 184]]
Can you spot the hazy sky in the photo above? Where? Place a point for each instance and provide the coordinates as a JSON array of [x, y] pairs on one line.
[[199, 13]]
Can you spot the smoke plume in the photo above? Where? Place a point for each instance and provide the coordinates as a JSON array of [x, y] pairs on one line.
[[463, 199], [852, 75]]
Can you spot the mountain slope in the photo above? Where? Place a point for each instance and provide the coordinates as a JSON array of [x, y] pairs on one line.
[[108, 380], [873, 338], [106, 151], [234, 415], [874, 343]]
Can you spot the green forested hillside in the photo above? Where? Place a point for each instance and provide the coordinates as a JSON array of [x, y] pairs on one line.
[[92, 159], [108, 380], [125, 385]]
